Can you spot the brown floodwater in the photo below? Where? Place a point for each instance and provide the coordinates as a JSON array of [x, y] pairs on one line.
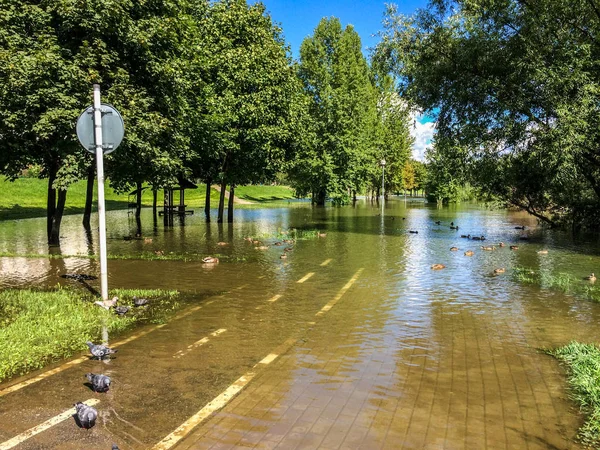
[[406, 357]]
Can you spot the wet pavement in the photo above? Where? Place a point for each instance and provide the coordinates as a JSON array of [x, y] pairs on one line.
[[373, 350]]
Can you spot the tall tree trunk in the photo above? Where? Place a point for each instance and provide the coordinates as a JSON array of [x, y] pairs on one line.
[[230, 203], [57, 218], [321, 196], [207, 201], [51, 200], [154, 201], [138, 199], [222, 201], [89, 194], [354, 196]]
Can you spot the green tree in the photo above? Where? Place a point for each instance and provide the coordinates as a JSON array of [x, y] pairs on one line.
[[514, 83], [50, 55], [342, 115], [250, 91]]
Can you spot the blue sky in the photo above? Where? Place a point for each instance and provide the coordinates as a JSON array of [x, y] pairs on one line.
[[298, 19]]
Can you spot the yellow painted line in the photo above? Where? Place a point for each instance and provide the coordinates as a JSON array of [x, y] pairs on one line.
[[198, 343], [43, 426], [81, 359], [327, 261], [339, 295], [275, 298], [216, 404], [305, 277], [269, 358]]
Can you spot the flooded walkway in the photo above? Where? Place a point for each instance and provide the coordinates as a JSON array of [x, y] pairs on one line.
[[351, 342]]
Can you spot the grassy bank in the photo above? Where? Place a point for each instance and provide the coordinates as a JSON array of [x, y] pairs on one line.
[[562, 282], [583, 369], [38, 327], [26, 197]]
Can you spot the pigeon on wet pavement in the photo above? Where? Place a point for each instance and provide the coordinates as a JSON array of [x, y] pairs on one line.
[[100, 350], [87, 415], [100, 382]]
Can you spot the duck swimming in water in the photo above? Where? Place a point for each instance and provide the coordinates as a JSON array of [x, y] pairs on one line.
[[469, 253], [210, 260], [438, 266], [591, 278]]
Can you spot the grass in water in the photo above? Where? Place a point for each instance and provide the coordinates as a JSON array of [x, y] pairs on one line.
[[583, 364], [38, 327], [561, 281]]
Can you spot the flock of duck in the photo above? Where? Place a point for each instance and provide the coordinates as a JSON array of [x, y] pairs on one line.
[[591, 278]]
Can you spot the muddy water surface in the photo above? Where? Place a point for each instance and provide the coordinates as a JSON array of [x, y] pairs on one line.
[[405, 357]]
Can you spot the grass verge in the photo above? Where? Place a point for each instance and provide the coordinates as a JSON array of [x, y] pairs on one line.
[[583, 376], [38, 327], [562, 282], [26, 197]]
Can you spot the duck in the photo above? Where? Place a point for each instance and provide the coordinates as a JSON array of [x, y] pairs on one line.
[[488, 248], [321, 234], [222, 244], [591, 278], [288, 249], [454, 228], [256, 242], [465, 236], [278, 243], [159, 252], [283, 256], [413, 231], [469, 253], [520, 228], [514, 247], [500, 270], [438, 266], [262, 247], [438, 222], [543, 252], [451, 224], [147, 240], [453, 249], [501, 244], [210, 260], [477, 238], [248, 239]]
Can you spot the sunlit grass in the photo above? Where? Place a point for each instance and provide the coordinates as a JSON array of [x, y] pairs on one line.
[[583, 369], [561, 281], [38, 327]]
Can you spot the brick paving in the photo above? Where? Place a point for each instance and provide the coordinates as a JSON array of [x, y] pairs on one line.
[[369, 375]]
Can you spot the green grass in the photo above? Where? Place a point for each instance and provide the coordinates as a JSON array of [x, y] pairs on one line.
[[38, 327], [583, 376], [26, 197], [264, 193], [562, 282]]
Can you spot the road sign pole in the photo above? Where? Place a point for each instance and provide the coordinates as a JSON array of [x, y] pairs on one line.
[[101, 210]]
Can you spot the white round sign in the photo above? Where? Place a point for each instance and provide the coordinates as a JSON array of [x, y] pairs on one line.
[[113, 129]]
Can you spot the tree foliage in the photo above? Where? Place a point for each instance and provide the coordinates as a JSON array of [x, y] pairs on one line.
[[514, 84]]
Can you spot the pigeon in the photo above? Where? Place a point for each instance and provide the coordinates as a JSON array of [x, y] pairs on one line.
[[115, 447], [107, 304], [87, 415], [100, 350], [121, 310], [140, 301], [100, 383]]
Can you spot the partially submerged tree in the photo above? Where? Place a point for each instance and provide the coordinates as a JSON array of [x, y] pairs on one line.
[[514, 84]]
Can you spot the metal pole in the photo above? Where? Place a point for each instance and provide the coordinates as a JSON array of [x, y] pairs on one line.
[[101, 211]]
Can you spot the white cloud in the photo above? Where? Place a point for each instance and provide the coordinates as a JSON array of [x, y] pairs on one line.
[[423, 133]]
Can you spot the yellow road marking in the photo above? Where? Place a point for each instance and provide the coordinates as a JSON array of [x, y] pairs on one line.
[[217, 403], [42, 427], [198, 343], [220, 401], [275, 298], [327, 261], [339, 295], [305, 277], [65, 366]]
